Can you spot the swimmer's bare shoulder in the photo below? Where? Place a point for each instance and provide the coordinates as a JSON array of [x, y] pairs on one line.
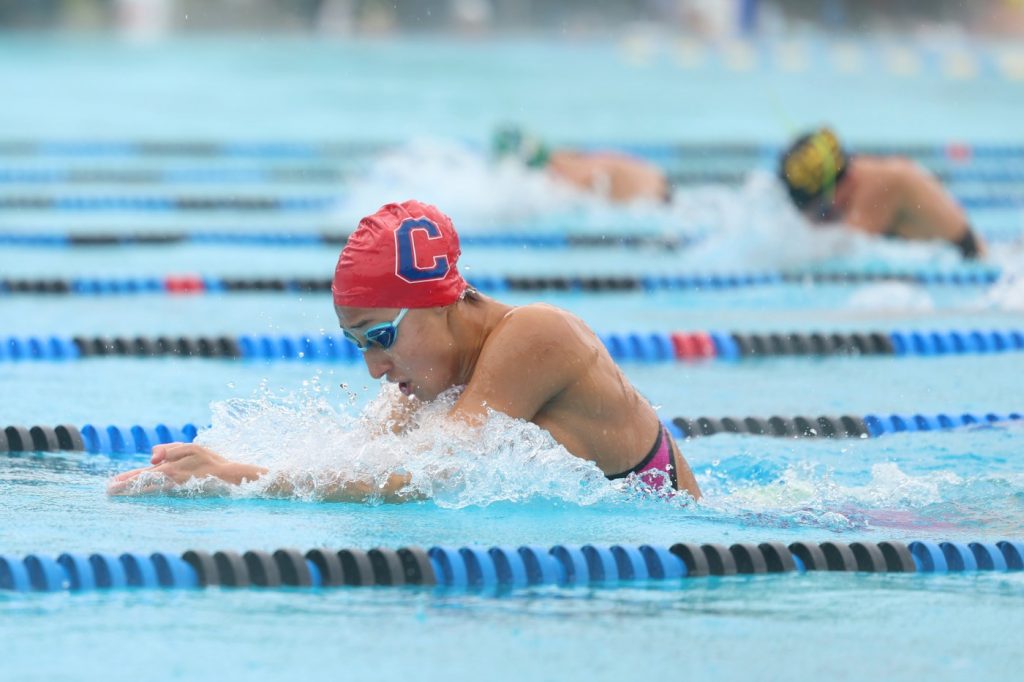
[[530, 356]]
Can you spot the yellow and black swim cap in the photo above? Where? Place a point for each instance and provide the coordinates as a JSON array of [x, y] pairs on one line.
[[812, 166]]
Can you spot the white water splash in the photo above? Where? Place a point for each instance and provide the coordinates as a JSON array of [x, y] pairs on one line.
[[892, 297], [316, 445], [1008, 292], [807, 494], [753, 226]]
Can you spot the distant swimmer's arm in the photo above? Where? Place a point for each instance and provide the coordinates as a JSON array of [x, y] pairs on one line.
[[574, 168], [179, 463], [531, 357]]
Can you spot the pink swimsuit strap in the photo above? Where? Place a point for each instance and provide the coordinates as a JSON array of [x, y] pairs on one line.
[[656, 469]]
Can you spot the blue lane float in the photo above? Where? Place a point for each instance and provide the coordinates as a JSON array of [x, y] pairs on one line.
[[495, 284], [292, 149], [503, 238], [335, 175], [136, 439], [170, 204], [641, 347], [484, 569]]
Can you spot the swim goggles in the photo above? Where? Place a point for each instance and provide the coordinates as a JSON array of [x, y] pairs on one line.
[[381, 335]]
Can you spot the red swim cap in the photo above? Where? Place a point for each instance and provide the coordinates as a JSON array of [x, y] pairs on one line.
[[402, 256]]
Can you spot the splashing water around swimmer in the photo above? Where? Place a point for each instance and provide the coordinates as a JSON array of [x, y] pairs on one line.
[[315, 442], [747, 227]]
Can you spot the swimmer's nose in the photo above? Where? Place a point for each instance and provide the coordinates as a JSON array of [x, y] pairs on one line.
[[377, 363]]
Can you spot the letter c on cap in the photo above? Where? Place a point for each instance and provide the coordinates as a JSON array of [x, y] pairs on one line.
[[405, 252]]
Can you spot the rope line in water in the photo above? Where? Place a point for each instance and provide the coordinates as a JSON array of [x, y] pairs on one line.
[[137, 439], [828, 426], [503, 568], [161, 203], [272, 149], [291, 150], [610, 238], [136, 176], [168, 203], [337, 176], [633, 347], [241, 237], [197, 284]]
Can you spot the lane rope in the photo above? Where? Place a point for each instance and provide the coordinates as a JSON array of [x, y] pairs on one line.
[[593, 284], [137, 439], [641, 347], [501, 568]]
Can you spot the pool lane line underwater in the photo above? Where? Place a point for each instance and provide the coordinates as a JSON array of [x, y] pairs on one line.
[[648, 347], [186, 284], [953, 150], [504, 568], [173, 203], [334, 175], [168, 203], [497, 238], [138, 439]]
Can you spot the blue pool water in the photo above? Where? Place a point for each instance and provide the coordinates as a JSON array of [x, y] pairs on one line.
[[960, 485]]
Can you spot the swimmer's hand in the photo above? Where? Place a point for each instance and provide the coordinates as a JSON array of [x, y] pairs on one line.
[[177, 463]]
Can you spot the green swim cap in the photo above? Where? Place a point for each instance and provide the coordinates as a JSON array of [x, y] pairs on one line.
[[512, 141], [812, 166]]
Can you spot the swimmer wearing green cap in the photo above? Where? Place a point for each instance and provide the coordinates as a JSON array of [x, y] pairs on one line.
[[615, 176], [889, 196]]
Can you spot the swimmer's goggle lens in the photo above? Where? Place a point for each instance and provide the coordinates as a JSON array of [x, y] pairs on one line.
[[381, 335]]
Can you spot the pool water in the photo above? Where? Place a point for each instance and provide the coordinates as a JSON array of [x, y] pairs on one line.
[[957, 485]]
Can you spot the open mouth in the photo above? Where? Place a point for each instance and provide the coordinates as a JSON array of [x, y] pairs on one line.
[[405, 387]]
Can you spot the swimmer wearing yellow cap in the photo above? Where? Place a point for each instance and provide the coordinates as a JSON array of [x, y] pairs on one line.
[[888, 196]]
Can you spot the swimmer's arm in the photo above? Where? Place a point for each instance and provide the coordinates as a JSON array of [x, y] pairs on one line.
[[573, 168], [935, 206], [342, 491], [181, 462], [534, 354]]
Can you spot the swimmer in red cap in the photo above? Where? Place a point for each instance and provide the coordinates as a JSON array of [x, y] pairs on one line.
[[888, 196], [400, 298]]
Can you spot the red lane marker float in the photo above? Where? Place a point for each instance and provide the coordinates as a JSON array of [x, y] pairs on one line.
[[959, 152], [694, 346], [184, 284]]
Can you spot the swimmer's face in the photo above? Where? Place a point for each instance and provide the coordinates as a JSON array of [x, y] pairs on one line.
[[422, 360], [822, 210]]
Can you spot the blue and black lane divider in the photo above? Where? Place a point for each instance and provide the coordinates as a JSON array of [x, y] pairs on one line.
[[205, 149], [98, 175], [650, 347], [94, 439], [595, 284], [956, 151], [833, 426], [501, 568], [168, 203], [168, 176], [137, 439], [509, 238]]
